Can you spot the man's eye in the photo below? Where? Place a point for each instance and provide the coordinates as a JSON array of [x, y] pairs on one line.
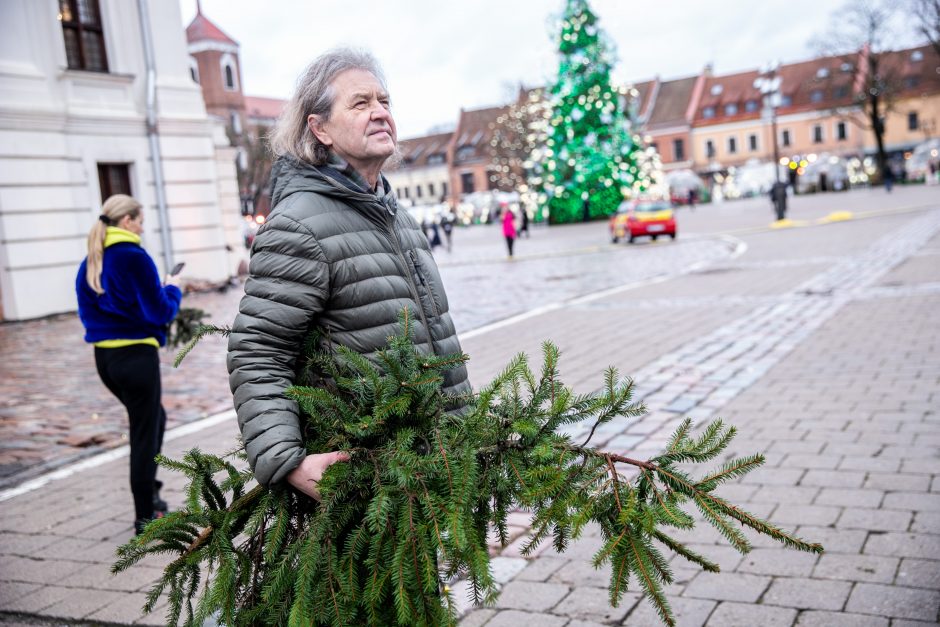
[[360, 104]]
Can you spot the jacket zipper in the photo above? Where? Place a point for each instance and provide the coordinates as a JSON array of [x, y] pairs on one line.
[[393, 236], [423, 281]]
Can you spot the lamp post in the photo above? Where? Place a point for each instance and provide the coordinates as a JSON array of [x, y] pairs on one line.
[[768, 84]]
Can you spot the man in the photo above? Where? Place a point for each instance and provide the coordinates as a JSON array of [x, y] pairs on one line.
[[335, 257]]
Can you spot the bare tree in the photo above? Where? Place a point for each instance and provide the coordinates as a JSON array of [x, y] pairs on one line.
[[928, 21], [862, 34]]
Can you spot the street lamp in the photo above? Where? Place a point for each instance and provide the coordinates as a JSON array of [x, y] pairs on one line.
[[768, 84]]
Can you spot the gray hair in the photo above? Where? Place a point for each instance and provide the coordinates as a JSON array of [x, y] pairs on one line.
[[314, 95]]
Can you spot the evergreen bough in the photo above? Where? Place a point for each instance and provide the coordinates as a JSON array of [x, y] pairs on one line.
[[425, 482]]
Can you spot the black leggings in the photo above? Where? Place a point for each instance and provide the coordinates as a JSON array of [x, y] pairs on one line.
[[132, 374], [509, 242]]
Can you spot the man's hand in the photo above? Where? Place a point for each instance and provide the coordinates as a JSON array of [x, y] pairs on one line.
[[172, 279], [306, 476]]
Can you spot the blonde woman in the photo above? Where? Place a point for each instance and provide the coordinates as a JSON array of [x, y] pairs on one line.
[[125, 310]]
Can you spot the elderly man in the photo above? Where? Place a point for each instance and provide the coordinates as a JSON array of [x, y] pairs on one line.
[[336, 257]]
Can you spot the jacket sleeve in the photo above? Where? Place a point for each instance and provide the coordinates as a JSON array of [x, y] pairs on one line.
[[159, 303], [288, 283]]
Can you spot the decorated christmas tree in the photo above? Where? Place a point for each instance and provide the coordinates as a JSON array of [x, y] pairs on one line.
[[429, 476], [592, 157]]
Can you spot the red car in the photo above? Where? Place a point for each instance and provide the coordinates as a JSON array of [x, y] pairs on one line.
[[636, 218]]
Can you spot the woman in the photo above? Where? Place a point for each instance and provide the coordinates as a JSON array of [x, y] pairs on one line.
[[125, 310], [509, 227]]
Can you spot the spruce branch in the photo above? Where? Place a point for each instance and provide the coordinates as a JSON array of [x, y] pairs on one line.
[[424, 484]]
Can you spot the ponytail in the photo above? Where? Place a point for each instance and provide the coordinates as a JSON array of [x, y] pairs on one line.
[[113, 210]]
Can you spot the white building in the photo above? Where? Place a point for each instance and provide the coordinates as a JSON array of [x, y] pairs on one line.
[[423, 174], [73, 130]]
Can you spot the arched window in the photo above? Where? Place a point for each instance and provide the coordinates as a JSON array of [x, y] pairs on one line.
[[194, 69], [229, 75]]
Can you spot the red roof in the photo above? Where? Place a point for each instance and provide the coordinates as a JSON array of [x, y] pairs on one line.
[[268, 108], [202, 29]]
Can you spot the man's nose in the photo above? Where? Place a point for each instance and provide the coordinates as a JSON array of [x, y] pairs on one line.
[[380, 113]]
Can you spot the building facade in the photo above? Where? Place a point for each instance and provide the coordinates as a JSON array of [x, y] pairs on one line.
[[73, 131]]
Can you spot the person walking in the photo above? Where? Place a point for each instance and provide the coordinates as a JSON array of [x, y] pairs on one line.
[[523, 222], [509, 227], [125, 311], [337, 258]]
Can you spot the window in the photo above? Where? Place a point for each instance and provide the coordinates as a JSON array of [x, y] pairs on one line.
[[678, 149], [492, 181], [236, 121], [732, 145], [466, 182], [912, 121], [816, 95], [708, 112], [229, 81], [846, 67], [817, 134], [786, 101], [917, 56], [709, 148], [731, 108], [114, 178], [841, 131], [398, 192], [431, 190], [750, 106], [443, 189], [464, 152], [436, 158], [840, 92], [194, 69], [785, 138], [822, 72], [84, 36], [418, 191], [910, 82], [655, 147], [716, 90], [752, 142]]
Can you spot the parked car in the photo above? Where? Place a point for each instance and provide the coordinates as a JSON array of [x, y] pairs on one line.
[[638, 218]]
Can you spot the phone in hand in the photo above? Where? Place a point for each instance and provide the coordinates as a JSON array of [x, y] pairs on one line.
[[177, 268]]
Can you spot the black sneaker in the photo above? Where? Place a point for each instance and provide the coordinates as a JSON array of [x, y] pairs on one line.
[[159, 505], [140, 523]]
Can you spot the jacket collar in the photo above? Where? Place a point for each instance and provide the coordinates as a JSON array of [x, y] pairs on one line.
[[117, 235]]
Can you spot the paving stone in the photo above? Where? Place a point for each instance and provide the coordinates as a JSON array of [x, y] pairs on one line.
[[505, 568], [789, 495], [803, 593], [581, 572], [925, 522], [727, 587], [840, 619], [687, 612], [774, 476], [820, 515], [477, 618], [894, 601], [38, 571], [834, 540], [870, 568], [870, 464], [746, 615], [541, 569], [897, 482], [833, 478], [920, 545], [781, 562], [873, 519], [851, 498], [10, 591], [812, 461], [594, 604], [512, 618], [531, 595], [913, 501], [128, 608], [81, 602], [38, 600], [917, 573], [25, 544]]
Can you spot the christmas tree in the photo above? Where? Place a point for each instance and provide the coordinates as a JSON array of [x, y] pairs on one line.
[[592, 158], [429, 475]]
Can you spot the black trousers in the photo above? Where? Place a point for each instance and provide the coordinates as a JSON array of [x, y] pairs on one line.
[[509, 242], [132, 374]]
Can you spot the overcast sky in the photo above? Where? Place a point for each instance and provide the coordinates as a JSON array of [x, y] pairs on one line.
[[439, 56]]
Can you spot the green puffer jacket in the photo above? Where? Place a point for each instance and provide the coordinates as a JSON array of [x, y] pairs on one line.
[[335, 259]]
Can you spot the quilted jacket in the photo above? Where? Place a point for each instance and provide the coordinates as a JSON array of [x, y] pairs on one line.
[[333, 259]]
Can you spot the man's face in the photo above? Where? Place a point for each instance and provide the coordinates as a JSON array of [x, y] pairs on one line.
[[360, 129]]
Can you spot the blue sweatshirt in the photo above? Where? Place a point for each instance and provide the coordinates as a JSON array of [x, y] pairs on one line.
[[135, 304]]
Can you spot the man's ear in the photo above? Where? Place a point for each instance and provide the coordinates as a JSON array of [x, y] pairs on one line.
[[316, 126]]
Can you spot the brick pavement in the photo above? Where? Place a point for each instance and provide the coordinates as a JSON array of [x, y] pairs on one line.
[[846, 416]]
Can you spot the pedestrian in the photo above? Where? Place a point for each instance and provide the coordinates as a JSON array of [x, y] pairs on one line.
[[509, 226], [435, 236], [889, 178], [523, 222], [337, 259], [692, 198], [125, 310], [447, 225], [778, 195]]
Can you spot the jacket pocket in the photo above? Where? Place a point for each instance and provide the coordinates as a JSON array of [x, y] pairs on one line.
[[424, 279]]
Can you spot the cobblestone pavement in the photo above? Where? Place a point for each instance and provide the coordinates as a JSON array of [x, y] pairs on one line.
[[820, 344]]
